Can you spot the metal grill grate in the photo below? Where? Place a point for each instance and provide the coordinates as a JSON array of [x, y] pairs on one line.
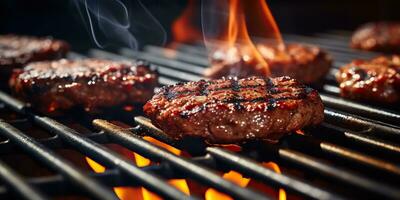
[[354, 153]]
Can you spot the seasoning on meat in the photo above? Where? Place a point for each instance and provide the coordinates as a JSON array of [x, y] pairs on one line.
[[376, 80], [235, 110], [89, 83]]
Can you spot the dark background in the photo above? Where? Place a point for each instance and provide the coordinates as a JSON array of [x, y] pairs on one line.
[[60, 19]]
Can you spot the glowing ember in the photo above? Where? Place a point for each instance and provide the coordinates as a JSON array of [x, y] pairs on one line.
[[123, 193], [142, 162], [275, 167], [129, 108], [212, 194], [300, 132], [127, 193]]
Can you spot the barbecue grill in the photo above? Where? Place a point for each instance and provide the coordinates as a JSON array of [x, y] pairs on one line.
[[353, 154]]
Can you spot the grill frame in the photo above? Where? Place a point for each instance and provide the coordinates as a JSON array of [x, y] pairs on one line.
[[188, 66]]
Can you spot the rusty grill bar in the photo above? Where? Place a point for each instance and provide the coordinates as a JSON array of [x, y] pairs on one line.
[[356, 146]]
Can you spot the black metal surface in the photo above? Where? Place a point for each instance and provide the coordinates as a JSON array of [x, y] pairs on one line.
[[295, 157], [64, 167], [96, 151], [246, 166], [111, 159], [255, 170], [18, 185], [194, 171]]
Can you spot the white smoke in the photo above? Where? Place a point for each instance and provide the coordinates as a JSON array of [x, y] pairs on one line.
[[119, 23]]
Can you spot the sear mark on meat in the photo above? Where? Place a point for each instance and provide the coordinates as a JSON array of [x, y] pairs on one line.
[[235, 110], [89, 83]]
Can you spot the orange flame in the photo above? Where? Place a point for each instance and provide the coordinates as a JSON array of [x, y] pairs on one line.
[[275, 167], [262, 22], [183, 29], [142, 162], [244, 16], [123, 193], [237, 34], [300, 132], [129, 193], [212, 194]]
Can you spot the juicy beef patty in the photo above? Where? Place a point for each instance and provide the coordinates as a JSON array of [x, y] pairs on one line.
[[305, 63], [371, 80], [235, 110], [16, 51], [89, 83], [377, 36]]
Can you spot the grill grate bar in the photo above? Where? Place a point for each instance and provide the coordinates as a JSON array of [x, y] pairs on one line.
[[336, 173], [178, 55], [57, 184], [18, 184], [57, 163], [359, 109], [332, 45], [341, 174], [178, 74], [204, 175], [317, 165], [97, 152], [351, 121], [165, 60], [345, 153], [54, 142], [362, 138], [245, 166], [253, 169], [111, 159]]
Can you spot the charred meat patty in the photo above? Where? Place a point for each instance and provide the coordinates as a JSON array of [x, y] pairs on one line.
[[305, 63], [377, 36], [16, 51], [376, 80], [88, 83], [235, 110]]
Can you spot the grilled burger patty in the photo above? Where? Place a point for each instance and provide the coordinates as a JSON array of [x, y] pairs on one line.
[[371, 80], [305, 63], [89, 83], [16, 51], [377, 36], [235, 110]]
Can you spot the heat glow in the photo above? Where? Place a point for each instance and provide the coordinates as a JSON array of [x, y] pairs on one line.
[[183, 28], [212, 194], [130, 193], [234, 39]]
